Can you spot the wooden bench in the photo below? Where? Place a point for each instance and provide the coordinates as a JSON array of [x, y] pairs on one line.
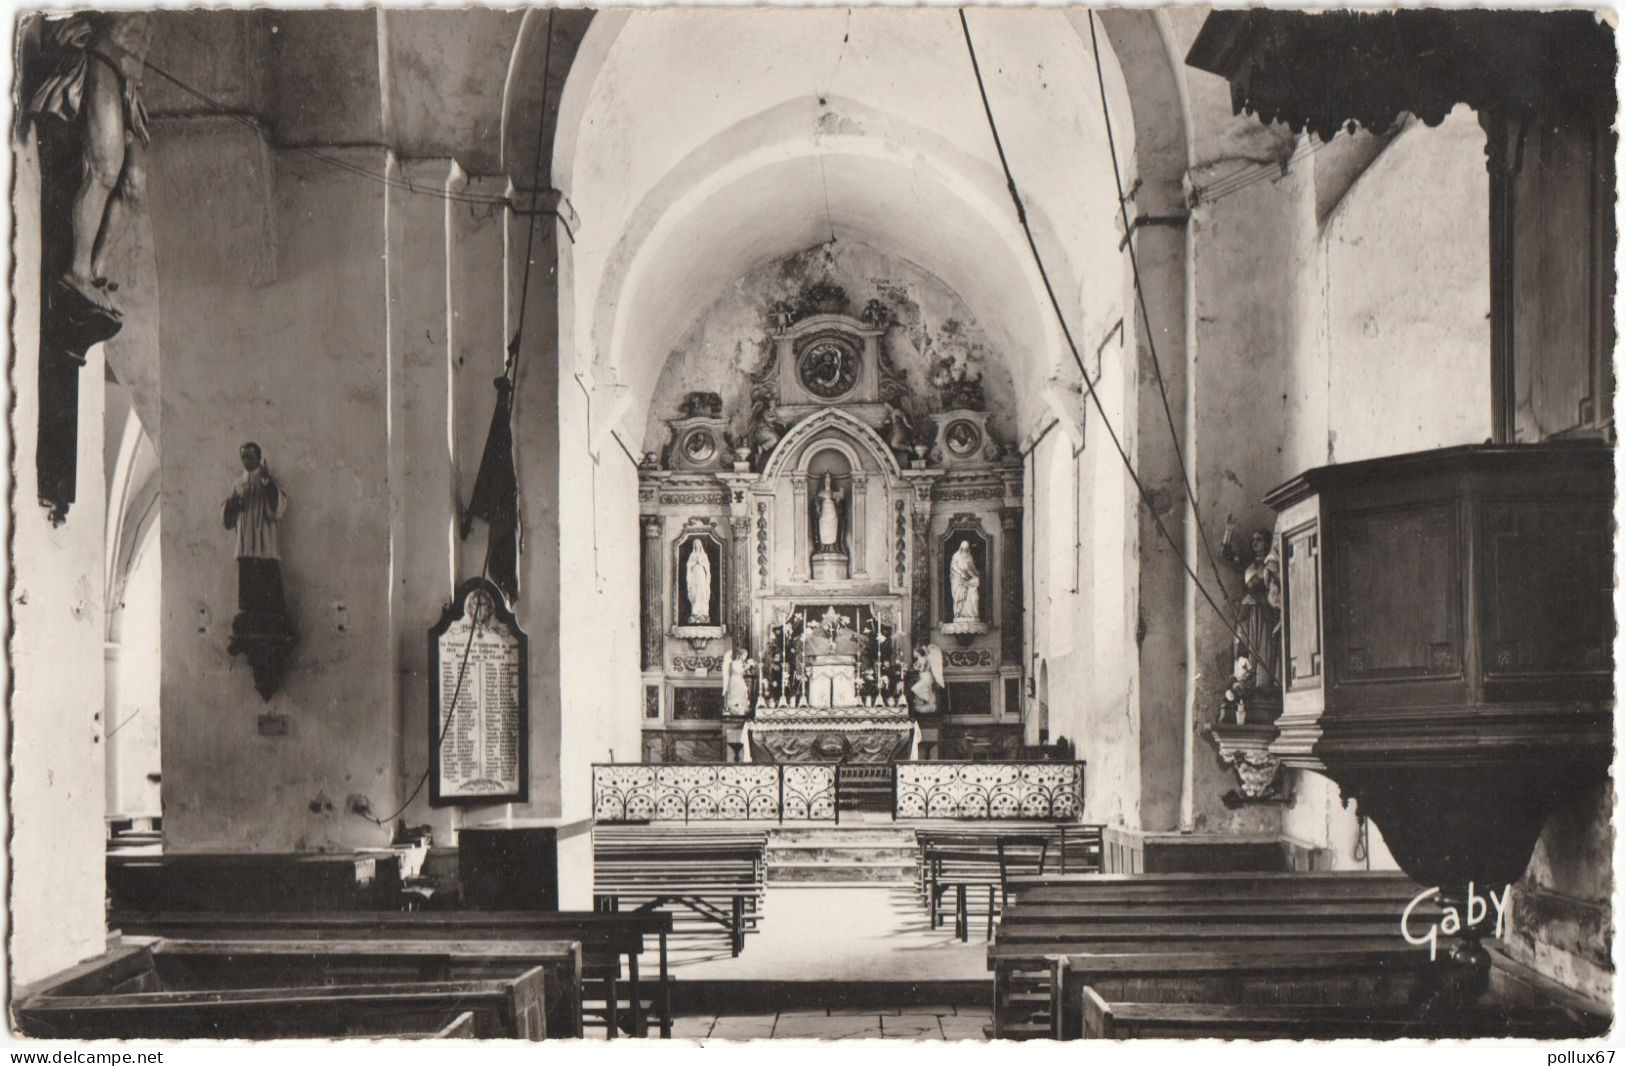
[[1327, 975], [267, 989], [253, 882], [1164, 914], [607, 940], [1071, 848], [717, 877], [459, 1028], [1115, 1020], [976, 863], [963, 864]]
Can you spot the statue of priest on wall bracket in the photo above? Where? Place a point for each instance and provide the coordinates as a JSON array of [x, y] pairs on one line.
[[261, 630]]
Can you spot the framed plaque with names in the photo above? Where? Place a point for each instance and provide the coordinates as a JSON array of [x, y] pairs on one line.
[[478, 703]]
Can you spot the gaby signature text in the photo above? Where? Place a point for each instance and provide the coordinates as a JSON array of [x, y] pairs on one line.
[[1450, 919]]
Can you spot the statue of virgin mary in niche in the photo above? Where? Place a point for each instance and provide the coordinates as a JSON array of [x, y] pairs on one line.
[[697, 573]]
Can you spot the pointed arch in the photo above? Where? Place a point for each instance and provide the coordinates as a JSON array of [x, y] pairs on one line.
[[832, 417]]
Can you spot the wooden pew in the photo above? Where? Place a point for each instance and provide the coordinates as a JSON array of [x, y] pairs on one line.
[[606, 940], [1115, 1020], [267, 989], [1295, 975], [138, 880], [716, 876], [963, 864], [459, 1028], [1130, 887], [1050, 917], [968, 861]]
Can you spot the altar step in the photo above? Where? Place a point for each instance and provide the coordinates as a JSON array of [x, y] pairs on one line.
[[842, 855]]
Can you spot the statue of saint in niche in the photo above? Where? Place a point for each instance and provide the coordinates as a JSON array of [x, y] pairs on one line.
[[254, 508], [94, 86], [966, 584], [829, 516], [697, 573]]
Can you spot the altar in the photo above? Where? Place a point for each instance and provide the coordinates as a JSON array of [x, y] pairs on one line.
[[852, 733]]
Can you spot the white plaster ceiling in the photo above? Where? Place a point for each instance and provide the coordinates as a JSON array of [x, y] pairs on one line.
[[709, 142]]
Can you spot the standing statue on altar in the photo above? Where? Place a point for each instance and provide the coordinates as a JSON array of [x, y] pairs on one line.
[[966, 583], [829, 516], [699, 585]]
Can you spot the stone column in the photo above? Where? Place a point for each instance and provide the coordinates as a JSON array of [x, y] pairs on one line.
[[653, 586], [860, 512], [1010, 610], [58, 905], [920, 482], [803, 560], [739, 581], [922, 576]]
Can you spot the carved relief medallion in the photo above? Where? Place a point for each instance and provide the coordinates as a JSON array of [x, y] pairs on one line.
[[828, 368]]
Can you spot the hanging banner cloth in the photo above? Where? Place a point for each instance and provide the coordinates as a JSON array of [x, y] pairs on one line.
[[496, 496]]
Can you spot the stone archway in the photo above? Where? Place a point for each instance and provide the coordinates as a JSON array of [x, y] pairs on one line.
[[604, 327]]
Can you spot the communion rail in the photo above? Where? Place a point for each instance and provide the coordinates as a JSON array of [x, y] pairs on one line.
[[810, 792], [714, 792]]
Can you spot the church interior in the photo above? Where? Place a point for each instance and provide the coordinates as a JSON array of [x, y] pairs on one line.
[[542, 510]]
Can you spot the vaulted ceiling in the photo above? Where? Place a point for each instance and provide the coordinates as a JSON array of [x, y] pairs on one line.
[[698, 144]]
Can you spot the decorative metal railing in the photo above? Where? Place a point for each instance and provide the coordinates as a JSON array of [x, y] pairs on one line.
[[1047, 790], [699, 792], [628, 792]]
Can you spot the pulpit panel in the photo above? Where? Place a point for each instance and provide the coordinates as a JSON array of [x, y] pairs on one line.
[[1301, 607], [1398, 594], [1549, 613]]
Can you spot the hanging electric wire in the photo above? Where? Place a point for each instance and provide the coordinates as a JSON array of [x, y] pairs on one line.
[[1249, 176], [1066, 331]]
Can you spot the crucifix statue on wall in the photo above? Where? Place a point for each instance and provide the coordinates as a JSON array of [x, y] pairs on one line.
[[82, 90]]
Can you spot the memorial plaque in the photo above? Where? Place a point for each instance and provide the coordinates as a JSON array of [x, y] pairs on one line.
[[477, 701]]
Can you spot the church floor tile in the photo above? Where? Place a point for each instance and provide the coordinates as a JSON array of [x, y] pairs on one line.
[[912, 1026], [814, 1027], [744, 1027], [965, 1026], [692, 1028], [878, 1022]]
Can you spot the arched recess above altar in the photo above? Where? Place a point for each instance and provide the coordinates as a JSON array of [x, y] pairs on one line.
[[811, 542], [828, 494]]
